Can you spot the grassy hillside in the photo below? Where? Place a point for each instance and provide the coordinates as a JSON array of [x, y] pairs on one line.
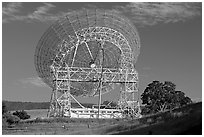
[[182, 121]]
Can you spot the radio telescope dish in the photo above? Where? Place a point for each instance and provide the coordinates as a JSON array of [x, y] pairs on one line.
[[89, 49]]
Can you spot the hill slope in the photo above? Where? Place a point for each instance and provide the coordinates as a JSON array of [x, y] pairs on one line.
[[182, 121]]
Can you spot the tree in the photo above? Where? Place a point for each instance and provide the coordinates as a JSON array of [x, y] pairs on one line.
[[159, 97], [22, 114]]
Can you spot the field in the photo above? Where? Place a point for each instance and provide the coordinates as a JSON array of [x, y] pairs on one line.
[[37, 113], [187, 120]]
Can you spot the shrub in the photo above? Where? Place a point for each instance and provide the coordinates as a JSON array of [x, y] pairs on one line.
[[22, 114], [4, 123], [10, 119]]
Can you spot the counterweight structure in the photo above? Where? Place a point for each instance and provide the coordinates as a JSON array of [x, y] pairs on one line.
[[86, 53]]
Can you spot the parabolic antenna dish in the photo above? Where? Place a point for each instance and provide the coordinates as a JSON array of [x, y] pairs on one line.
[[77, 40]]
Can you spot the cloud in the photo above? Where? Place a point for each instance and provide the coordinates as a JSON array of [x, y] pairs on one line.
[[34, 81], [10, 10], [153, 13], [41, 14], [141, 13]]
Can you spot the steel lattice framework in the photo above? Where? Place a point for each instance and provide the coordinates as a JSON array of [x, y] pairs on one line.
[[84, 54]]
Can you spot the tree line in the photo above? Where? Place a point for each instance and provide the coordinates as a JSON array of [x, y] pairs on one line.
[[12, 105]]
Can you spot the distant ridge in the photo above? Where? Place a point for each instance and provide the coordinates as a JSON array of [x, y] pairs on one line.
[[18, 105]]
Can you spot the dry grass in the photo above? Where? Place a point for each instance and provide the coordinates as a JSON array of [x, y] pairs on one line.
[[187, 120]]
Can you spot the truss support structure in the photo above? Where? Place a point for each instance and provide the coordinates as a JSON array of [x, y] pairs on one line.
[[60, 104], [128, 90], [63, 74]]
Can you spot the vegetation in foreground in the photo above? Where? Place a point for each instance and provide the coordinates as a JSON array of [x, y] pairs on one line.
[[185, 120], [163, 108], [8, 119]]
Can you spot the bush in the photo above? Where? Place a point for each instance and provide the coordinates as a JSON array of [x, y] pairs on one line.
[[4, 123], [21, 114], [10, 119]]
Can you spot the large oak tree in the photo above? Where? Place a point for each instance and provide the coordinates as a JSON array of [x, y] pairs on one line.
[[158, 97]]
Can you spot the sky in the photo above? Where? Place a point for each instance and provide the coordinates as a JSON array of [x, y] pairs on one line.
[[170, 35]]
